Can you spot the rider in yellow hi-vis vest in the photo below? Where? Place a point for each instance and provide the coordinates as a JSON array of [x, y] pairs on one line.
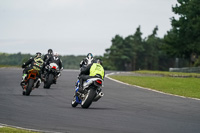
[[33, 63], [92, 70], [97, 69]]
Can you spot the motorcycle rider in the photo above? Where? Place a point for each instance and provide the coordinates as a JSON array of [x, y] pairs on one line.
[[33, 63], [48, 55], [94, 69], [46, 59], [58, 61], [87, 60]]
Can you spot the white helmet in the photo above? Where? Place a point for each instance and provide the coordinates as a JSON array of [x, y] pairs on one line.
[[89, 58], [55, 54]]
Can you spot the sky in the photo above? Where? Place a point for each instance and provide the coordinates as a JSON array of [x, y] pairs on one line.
[[78, 27]]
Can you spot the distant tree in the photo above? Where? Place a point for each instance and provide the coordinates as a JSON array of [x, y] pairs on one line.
[[136, 43], [115, 54], [152, 50], [183, 40], [71, 61]]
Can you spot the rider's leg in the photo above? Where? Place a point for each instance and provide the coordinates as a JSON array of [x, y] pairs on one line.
[[24, 75], [81, 80]]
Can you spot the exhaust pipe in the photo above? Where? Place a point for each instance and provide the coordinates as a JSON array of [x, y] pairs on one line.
[[37, 83], [98, 96], [101, 94]]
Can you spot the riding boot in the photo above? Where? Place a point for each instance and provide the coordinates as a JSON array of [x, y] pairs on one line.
[[54, 81], [23, 79]]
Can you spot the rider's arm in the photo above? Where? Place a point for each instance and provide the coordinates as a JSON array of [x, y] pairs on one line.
[[47, 61], [81, 63], [27, 63], [60, 64], [86, 70], [45, 57]]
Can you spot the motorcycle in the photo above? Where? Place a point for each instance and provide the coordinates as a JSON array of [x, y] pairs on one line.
[[51, 74], [32, 81], [92, 92]]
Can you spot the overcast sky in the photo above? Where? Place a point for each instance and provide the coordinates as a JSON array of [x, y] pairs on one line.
[[77, 27]]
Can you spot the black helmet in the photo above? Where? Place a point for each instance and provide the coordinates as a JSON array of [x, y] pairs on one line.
[[50, 51], [38, 54]]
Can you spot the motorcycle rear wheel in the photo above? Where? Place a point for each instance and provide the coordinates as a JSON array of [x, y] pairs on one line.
[[88, 98]]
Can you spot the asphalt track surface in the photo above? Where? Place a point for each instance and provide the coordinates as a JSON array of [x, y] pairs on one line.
[[124, 108]]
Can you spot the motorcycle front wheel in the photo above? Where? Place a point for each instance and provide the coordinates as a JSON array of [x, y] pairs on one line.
[[29, 87], [49, 81], [74, 103]]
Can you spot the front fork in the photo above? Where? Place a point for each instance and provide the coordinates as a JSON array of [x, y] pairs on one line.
[[37, 83], [77, 94]]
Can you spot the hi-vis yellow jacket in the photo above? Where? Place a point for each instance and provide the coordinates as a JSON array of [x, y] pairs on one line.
[[96, 69]]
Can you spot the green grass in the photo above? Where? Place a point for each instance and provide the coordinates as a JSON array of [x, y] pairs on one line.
[[169, 74], [8, 66], [188, 87], [14, 130]]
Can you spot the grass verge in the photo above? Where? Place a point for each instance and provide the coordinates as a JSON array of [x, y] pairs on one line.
[[169, 74], [14, 130], [188, 87], [8, 66]]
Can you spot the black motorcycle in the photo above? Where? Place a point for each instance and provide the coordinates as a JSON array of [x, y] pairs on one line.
[[51, 74]]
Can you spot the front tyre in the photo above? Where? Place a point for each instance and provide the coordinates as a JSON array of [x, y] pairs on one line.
[[88, 98], [29, 87], [74, 103], [49, 81]]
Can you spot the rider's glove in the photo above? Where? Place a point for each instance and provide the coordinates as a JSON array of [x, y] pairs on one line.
[[47, 67]]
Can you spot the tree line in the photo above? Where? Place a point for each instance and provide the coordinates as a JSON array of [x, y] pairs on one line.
[[136, 53], [180, 47], [69, 61]]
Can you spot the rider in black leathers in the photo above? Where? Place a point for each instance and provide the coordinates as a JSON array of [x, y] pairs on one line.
[[58, 61], [87, 60], [48, 55], [46, 59]]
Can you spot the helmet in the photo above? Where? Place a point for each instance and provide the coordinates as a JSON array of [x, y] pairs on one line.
[[50, 51], [99, 61], [38, 54], [89, 58], [55, 54]]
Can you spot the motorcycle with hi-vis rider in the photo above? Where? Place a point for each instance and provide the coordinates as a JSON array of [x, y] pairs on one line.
[[92, 92], [91, 88], [31, 78], [32, 81]]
